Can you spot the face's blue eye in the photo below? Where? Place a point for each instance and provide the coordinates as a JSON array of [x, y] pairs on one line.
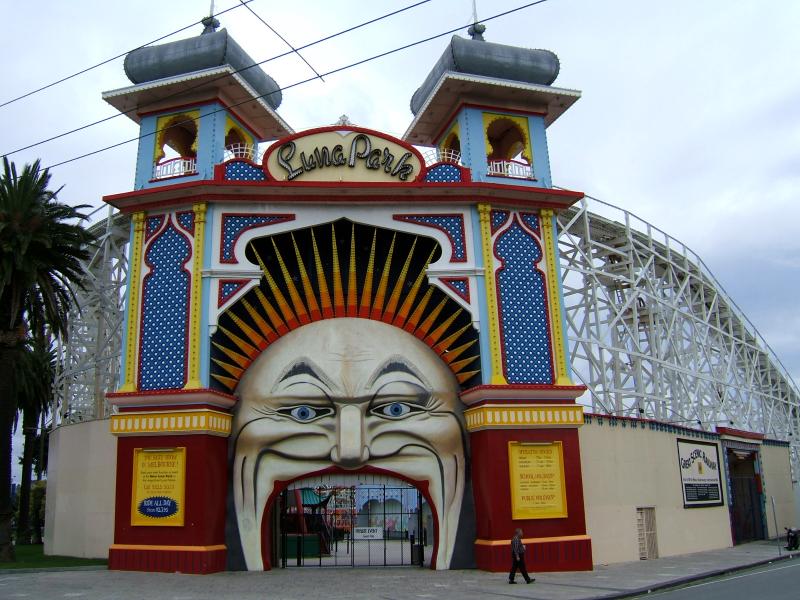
[[395, 410], [305, 413]]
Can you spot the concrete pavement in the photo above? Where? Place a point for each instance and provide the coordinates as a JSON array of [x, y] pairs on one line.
[[606, 581]]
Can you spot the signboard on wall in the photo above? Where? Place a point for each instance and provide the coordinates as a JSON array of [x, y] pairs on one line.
[[536, 473], [159, 481], [701, 480]]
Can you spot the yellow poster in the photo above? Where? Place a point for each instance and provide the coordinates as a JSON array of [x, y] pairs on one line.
[[159, 480], [536, 472]]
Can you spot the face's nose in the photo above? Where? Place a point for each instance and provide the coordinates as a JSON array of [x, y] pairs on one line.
[[350, 451]]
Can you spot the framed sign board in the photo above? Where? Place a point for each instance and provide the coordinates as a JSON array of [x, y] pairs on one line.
[[159, 482], [536, 473], [701, 480]]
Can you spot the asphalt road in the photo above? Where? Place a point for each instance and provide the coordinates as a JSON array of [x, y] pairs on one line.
[[779, 581]]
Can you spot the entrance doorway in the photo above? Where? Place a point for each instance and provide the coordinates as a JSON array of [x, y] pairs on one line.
[[747, 518], [358, 520]]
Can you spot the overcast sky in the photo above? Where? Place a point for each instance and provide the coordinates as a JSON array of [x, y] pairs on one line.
[[690, 115]]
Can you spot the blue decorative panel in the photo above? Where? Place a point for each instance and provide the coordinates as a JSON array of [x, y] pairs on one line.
[[530, 220], [443, 174], [460, 285], [234, 225], [239, 170], [452, 225], [152, 224], [525, 335], [499, 217], [165, 313], [186, 220], [228, 287]]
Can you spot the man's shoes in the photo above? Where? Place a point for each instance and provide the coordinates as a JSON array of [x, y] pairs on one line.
[[531, 580], [512, 582]]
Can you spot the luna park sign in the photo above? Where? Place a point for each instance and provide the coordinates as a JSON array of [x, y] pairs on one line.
[[343, 154]]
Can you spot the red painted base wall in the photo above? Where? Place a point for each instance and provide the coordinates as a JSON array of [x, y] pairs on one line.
[[204, 517], [562, 555], [565, 546]]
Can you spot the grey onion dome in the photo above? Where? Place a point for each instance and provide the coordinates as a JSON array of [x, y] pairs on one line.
[[477, 57], [208, 50]]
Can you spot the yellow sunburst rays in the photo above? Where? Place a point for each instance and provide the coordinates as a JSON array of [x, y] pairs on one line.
[[380, 294], [338, 294], [366, 291], [352, 280], [315, 304]]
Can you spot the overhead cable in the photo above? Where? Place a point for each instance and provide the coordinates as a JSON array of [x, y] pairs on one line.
[[223, 76], [113, 58], [298, 83]]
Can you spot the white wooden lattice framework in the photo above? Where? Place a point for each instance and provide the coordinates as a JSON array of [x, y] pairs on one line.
[[652, 334], [90, 356]]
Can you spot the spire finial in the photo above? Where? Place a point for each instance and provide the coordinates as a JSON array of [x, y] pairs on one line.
[[476, 30]]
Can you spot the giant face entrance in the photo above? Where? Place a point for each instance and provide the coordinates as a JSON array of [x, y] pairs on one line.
[[354, 520]]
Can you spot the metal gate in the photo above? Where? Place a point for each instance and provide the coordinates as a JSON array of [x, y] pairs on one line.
[[353, 521]]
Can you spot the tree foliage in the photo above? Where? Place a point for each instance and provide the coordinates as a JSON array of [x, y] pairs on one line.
[[42, 249]]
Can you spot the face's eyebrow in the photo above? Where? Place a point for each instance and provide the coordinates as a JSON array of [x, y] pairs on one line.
[[394, 365], [304, 366]]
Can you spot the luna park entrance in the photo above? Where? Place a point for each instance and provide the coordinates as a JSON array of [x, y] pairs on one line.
[[358, 520]]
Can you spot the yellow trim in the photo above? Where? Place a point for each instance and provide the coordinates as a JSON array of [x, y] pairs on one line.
[[543, 540], [454, 129], [521, 122], [202, 420], [493, 320], [196, 305], [523, 416], [554, 298], [162, 124], [169, 548], [231, 124], [134, 283]]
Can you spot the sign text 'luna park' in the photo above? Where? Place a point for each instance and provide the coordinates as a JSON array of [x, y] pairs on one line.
[[343, 154]]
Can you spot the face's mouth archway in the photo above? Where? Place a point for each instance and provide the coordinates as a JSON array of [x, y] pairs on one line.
[[413, 519], [347, 395]]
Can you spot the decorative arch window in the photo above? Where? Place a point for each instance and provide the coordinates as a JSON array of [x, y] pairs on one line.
[[176, 145], [450, 149], [508, 146], [238, 143]]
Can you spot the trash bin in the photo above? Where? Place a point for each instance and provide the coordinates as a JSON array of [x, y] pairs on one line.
[[417, 554]]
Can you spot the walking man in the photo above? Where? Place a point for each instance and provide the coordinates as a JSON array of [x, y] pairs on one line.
[[518, 558]]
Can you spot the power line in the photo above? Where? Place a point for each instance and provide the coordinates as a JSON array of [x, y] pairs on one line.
[[113, 58], [223, 76], [283, 39], [338, 70]]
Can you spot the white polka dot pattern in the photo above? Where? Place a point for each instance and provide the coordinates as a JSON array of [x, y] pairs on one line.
[[166, 310], [452, 225], [523, 309], [234, 225], [443, 174], [243, 171], [498, 218]]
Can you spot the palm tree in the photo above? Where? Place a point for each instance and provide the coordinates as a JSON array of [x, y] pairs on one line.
[[42, 246], [34, 382]]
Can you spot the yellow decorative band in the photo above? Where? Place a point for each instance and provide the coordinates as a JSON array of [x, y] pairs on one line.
[[174, 422], [169, 548], [523, 416], [544, 540]]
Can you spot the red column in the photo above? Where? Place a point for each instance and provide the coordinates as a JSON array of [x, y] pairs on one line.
[[530, 415], [198, 545]]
